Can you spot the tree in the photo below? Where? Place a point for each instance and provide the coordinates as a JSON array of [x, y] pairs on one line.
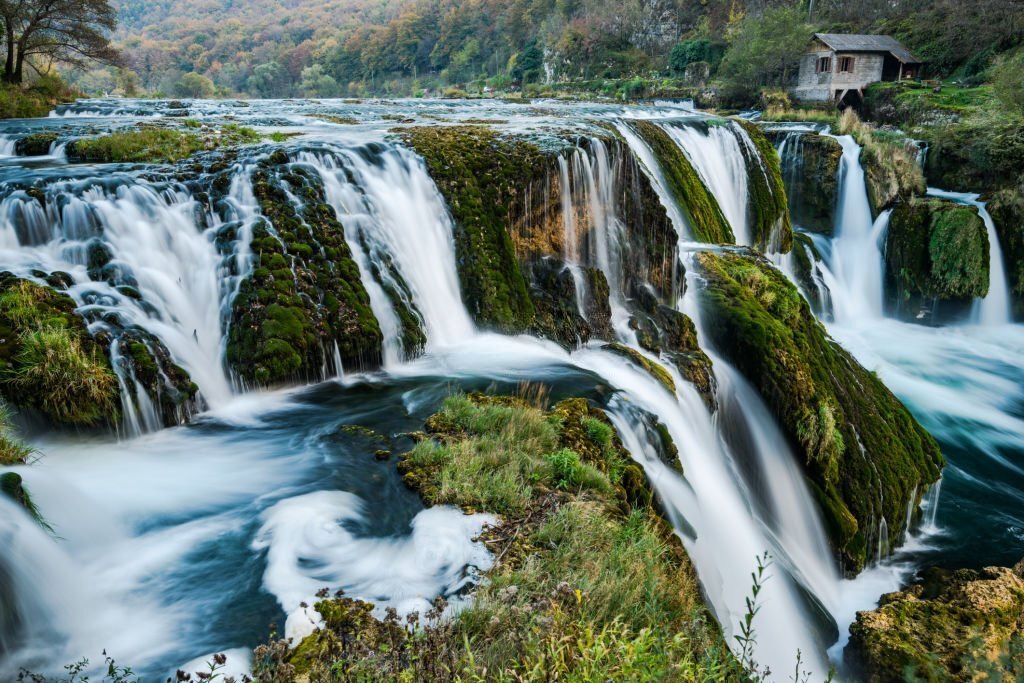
[[529, 66], [316, 83], [70, 31], [764, 51], [687, 52], [268, 80], [194, 86]]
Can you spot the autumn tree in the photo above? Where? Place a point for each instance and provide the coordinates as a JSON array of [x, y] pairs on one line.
[[68, 31]]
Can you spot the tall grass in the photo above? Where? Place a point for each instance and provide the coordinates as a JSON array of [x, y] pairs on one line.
[[67, 383]]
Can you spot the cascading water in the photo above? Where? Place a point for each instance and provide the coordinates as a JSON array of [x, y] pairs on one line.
[[135, 251], [718, 157], [994, 309], [396, 219], [853, 272], [264, 492]]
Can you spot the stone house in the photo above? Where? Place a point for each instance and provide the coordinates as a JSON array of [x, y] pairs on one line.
[[838, 66]]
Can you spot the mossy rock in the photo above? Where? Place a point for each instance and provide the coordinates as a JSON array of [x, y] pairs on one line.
[[35, 145], [668, 332], [165, 382], [865, 455], [482, 175], [49, 363], [1007, 210], [650, 367], [771, 229], [935, 250], [891, 170], [811, 175], [950, 626], [13, 487], [702, 211], [299, 303]]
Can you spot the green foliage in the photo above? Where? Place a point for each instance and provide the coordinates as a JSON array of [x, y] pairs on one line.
[[194, 86], [890, 160], [1008, 83], [12, 450], [687, 52], [833, 410], [35, 100], [691, 194], [50, 362], [765, 50]]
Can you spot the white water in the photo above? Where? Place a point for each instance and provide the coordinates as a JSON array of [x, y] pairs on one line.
[[392, 205], [154, 239], [994, 308], [853, 273], [719, 159]]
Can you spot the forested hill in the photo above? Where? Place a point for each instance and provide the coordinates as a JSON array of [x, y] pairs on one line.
[[278, 48]]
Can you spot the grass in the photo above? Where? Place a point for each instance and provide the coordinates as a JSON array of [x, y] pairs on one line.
[[71, 384], [155, 144], [12, 450], [49, 360], [586, 586]]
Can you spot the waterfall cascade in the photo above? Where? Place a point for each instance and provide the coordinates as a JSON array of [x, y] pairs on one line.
[[172, 266]]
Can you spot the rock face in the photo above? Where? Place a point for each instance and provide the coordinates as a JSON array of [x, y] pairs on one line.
[[952, 626], [1007, 209], [935, 251], [686, 187], [305, 295], [769, 209], [506, 196], [864, 454], [810, 169]]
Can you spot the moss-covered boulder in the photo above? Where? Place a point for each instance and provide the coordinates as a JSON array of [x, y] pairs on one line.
[[565, 310], [810, 170], [702, 211], [935, 251], [482, 175], [892, 171], [304, 295], [805, 262], [965, 625], [49, 363], [35, 145], [167, 384], [1007, 209], [865, 456], [771, 229]]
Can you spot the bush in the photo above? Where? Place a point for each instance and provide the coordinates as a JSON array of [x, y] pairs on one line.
[[1008, 82], [688, 52]]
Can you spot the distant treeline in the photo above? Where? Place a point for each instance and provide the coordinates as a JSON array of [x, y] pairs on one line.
[[317, 48]]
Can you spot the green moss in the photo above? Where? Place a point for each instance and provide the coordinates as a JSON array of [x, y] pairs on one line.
[[481, 175], [650, 367], [951, 626], [937, 249], [690, 193], [1007, 210], [48, 360], [152, 144], [839, 416], [771, 229], [35, 145], [299, 303]]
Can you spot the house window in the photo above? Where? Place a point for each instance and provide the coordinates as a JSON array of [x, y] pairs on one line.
[[846, 65], [824, 64]]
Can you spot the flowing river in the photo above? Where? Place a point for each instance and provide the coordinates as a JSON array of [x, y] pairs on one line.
[[173, 543]]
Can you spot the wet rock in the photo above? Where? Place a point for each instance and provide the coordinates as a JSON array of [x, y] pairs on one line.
[[949, 626]]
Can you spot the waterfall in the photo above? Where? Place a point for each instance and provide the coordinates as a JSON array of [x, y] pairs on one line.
[[137, 255], [854, 267], [995, 308], [718, 156], [7, 146], [392, 213]]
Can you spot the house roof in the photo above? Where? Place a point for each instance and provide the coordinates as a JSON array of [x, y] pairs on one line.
[[851, 42]]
